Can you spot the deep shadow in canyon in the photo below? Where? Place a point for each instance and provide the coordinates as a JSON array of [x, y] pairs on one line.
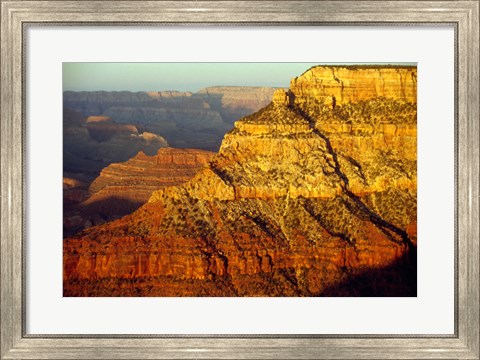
[[396, 280]]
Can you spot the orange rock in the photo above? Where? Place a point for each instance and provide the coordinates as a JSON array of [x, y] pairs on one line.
[[304, 198], [353, 84]]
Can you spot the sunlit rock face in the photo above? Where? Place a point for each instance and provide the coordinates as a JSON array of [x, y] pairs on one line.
[[357, 83], [123, 187], [309, 196]]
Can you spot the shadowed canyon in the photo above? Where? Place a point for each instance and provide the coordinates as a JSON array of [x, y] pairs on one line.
[[112, 134], [311, 192]]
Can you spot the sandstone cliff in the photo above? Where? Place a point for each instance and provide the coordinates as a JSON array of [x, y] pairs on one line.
[[307, 197], [122, 188], [356, 83]]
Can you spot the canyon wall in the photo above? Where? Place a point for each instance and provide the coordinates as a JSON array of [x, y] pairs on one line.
[[306, 197]]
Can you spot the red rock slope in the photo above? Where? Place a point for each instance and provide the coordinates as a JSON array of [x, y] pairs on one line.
[[123, 187]]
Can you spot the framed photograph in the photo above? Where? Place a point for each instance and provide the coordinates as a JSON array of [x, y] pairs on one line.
[[226, 179]]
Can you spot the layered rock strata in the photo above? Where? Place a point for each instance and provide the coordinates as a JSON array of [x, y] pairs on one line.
[[298, 202], [121, 188], [356, 83]]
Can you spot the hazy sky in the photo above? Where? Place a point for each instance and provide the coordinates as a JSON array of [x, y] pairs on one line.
[[176, 76]]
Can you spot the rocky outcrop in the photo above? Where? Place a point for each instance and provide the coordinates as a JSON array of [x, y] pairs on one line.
[[356, 83], [134, 181], [94, 119], [298, 202], [121, 188]]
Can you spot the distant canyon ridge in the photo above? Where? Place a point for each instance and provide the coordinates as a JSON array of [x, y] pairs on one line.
[[167, 118]]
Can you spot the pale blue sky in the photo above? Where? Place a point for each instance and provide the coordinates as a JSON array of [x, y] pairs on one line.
[[176, 76]]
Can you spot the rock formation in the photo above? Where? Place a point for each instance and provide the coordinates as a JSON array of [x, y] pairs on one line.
[[357, 83], [310, 196], [121, 188]]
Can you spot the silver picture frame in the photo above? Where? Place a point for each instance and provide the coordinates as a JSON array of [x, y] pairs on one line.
[[16, 16]]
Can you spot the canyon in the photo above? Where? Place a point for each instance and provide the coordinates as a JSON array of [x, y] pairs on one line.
[[312, 195], [185, 119], [92, 143]]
